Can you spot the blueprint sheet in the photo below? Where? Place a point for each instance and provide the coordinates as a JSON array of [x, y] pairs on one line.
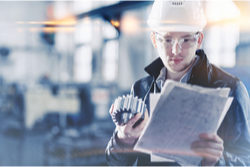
[[178, 115]]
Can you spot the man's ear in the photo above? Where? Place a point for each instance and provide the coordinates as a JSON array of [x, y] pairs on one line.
[[200, 39], [153, 40]]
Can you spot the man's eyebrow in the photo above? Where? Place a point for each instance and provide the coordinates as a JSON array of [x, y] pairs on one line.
[[187, 36], [168, 36]]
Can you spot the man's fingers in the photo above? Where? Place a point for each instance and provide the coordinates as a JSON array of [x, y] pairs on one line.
[[208, 152], [210, 147], [132, 129], [207, 144], [133, 120], [211, 137], [143, 123], [111, 109], [146, 114]]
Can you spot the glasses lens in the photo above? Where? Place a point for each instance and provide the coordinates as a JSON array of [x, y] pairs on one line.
[[184, 43], [187, 42], [166, 42]]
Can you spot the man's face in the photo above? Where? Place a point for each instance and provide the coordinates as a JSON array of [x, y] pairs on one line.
[[177, 49]]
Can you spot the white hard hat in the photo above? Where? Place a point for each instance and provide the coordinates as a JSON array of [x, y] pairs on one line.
[[178, 16]]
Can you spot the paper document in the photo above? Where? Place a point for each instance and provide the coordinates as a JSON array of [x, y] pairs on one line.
[[177, 116]]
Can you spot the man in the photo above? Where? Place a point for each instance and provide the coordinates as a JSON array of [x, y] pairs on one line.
[[177, 36]]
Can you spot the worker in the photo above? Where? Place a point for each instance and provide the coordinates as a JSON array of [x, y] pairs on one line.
[[177, 36]]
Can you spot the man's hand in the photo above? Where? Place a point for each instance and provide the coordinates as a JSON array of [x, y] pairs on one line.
[[127, 134], [210, 147]]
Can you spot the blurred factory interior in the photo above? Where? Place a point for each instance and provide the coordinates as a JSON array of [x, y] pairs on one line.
[[62, 64]]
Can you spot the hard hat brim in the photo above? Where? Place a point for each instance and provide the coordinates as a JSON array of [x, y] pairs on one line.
[[161, 28]]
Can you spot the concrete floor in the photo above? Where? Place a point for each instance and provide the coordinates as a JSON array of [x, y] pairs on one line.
[[26, 148]]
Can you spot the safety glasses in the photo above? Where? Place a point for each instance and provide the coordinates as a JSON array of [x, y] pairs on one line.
[[184, 43]]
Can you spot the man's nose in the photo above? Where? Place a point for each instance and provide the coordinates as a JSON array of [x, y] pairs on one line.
[[176, 48]]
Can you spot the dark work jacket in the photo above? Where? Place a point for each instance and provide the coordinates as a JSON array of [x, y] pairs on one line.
[[234, 130]]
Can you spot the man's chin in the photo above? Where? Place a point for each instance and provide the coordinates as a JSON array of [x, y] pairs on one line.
[[178, 70]]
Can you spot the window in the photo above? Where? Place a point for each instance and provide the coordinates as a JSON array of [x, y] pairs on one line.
[[110, 56], [83, 64]]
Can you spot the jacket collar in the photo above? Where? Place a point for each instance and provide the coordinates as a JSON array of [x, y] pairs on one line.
[[199, 75], [201, 71], [154, 68]]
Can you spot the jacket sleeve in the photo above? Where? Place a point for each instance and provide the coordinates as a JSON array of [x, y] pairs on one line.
[[235, 130], [118, 154]]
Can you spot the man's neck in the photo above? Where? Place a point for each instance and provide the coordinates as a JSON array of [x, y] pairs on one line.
[[176, 76]]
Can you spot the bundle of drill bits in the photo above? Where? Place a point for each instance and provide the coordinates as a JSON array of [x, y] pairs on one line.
[[127, 107]]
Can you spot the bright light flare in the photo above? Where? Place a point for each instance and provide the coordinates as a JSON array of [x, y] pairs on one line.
[[115, 23], [51, 29], [64, 22], [221, 11], [130, 24]]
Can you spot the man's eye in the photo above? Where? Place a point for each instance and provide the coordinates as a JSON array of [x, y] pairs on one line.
[[186, 40], [168, 40]]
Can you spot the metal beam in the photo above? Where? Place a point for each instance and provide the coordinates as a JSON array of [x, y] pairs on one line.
[[114, 10]]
